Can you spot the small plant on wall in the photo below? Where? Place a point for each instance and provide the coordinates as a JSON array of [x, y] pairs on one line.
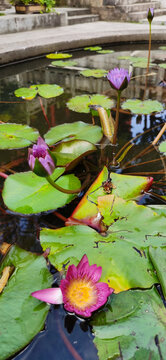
[[33, 6]]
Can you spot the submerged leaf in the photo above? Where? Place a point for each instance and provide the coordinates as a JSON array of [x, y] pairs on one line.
[[142, 107], [22, 316], [82, 103], [15, 136], [64, 63]]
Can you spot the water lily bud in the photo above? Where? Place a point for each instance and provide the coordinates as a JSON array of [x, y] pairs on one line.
[[40, 160], [118, 78], [150, 14]]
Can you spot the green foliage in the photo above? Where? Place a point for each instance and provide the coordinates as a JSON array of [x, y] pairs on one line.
[[163, 66], [22, 316], [142, 107], [27, 193], [58, 56], [62, 63], [82, 103], [15, 136], [75, 131], [158, 258], [136, 61], [45, 90], [96, 73], [131, 325]]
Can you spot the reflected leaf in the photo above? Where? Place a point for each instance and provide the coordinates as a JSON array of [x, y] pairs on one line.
[[105, 51], [142, 107], [82, 103], [22, 316], [15, 136], [97, 73], [58, 56]]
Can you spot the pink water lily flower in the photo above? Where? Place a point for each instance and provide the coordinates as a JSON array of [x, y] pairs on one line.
[[80, 292], [39, 159], [118, 78]]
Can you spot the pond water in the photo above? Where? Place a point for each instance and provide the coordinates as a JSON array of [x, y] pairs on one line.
[[65, 336]]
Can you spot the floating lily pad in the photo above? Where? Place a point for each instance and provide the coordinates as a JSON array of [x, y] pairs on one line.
[[142, 107], [64, 63], [162, 47], [22, 316], [27, 193], [122, 267], [45, 90], [97, 73], [163, 66], [162, 147], [131, 325], [58, 56], [137, 61], [72, 151], [93, 48], [158, 258], [81, 103], [105, 51], [15, 136], [75, 131]]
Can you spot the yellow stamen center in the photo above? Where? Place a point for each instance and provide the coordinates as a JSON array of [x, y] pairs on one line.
[[81, 293]]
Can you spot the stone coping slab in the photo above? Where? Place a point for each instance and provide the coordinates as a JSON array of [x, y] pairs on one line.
[[24, 45]]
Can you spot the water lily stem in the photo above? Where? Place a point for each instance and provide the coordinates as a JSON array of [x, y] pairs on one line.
[[157, 138], [59, 188], [150, 40], [117, 118]]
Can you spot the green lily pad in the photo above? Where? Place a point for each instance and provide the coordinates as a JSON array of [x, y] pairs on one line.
[[75, 131], [22, 316], [162, 47], [15, 136], [105, 51], [97, 73], [27, 193], [45, 90], [158, 258], [162, 147], [137, 61], [163, 66], [131, 325], [64, 63], [122, 267], [93, 48], [59, 56], [72, 151], [81, 103], [142, 107]]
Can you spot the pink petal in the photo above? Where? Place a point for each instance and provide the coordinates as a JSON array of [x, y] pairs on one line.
[[71, 272], [82, 262], [31, 161], [51, 295], [40, 141]]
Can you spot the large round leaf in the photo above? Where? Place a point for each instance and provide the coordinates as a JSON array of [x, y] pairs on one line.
[[72, 151], [158, 258], [81, 103], [142, 107], [45, 90], [96, 73], [28, 193], [78, 130], [122, 267], [131, 325], [14, 136], [26, 93], [22, 316]]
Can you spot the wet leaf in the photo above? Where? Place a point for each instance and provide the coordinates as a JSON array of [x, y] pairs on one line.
[[64, 63], [22, 316], [158, 258], [15, 136], [67, 152], [58, 56], [45, 90], [27, 193], [131, 325], [162, 147], [93, 48], [97, 73], [81, 103], [122, 267], [75, 131], [142, 107], [26, 93]]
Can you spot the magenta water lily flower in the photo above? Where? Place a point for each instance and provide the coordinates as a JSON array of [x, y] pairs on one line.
[[118, 78], [40, 160], [80, 292], [150, 14]]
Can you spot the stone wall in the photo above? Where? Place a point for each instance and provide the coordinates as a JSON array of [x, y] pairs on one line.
[[4, 4], [109, 13]]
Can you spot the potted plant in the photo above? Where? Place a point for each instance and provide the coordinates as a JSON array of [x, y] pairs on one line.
[[33, 6]]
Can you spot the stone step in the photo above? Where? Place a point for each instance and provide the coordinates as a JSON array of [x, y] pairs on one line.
[[77, 11], [79, 19], [137, 16], [137, 7]]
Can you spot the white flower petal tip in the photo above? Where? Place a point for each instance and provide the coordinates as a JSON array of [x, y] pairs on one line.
[[51, 295]]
